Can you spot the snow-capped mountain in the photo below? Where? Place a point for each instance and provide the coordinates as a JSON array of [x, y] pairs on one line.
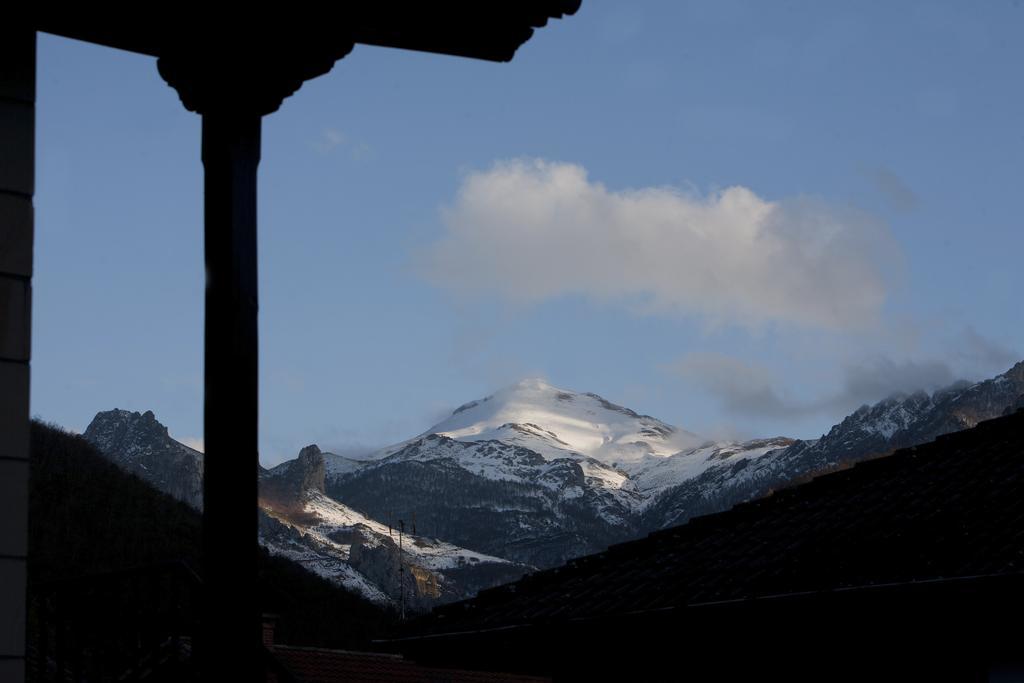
[[554, 422], [541, 474], [138, 443], [536, 473]]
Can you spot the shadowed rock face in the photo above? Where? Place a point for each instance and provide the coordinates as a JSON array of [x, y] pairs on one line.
[[298, 521], [293, 481], [420, 587], [310, 474], [139, 444]]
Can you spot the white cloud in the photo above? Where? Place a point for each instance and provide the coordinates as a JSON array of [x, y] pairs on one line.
[[531, 230]]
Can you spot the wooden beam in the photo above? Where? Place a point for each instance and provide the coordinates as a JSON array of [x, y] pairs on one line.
[[232, 627]]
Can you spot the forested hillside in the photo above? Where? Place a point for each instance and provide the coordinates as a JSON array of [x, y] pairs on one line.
[[88, 517]]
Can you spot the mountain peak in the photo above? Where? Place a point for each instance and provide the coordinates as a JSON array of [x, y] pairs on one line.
[[558, 423], [531, 389], [109, 428], [297, 479], [1016, 373], [139, 443]]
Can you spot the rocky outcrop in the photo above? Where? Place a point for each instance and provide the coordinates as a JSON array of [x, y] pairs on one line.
[[293, 481], [384, 564], [138, 443], [899, 421]]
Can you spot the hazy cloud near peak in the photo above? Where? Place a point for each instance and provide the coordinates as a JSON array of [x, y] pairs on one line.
[[984, 354], [747, 389], [742, 388], [893, 189], [750, 390], [531, 230], [874, 379]]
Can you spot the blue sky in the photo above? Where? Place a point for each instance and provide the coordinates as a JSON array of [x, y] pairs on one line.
[[742, 218]]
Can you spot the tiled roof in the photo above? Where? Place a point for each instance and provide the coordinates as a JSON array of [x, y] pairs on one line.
[[949, 509], [315, 665]]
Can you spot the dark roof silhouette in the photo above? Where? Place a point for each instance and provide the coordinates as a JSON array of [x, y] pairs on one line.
[[944, 512], [317, 665], [464, 28]]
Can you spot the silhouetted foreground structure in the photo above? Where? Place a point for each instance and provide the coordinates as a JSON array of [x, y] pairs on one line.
[[312, 665], [908, 567], [232, 72], [321, 665], [111, 592]]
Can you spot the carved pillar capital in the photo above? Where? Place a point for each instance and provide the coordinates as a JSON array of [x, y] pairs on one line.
[[251, 75]]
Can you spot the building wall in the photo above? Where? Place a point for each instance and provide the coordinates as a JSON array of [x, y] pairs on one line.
[[17, 178]]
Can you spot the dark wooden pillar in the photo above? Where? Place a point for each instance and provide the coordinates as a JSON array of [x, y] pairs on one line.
[[233, 79], [17, 181], [232, 627]]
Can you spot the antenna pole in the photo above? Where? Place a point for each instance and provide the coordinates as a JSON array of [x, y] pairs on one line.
[[401, 571]]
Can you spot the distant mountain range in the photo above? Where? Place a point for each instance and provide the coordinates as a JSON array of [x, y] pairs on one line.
[[897, 422], [528, 477]]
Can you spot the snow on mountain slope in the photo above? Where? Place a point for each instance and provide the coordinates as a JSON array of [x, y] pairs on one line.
[[536, 473], [425, 552], [346, 547], [656, 475], [495, 459], [532, 472], [555, 423], [377, 560], [522, 431], [906, 420], [570, 475], [327, 566], [340, 465]]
